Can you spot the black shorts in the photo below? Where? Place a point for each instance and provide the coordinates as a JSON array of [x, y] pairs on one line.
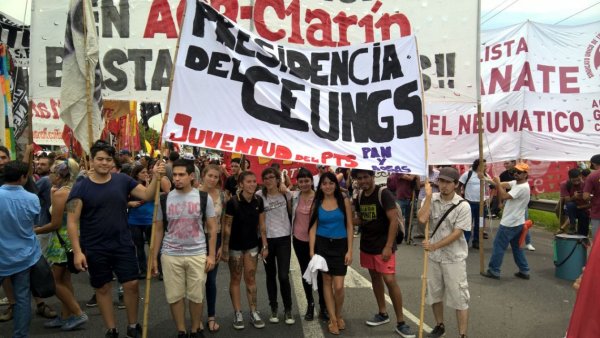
[[334, 252], [102, 263]]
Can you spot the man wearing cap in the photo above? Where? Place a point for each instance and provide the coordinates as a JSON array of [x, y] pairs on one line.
[[511, 224], [449, 217], [591, 192]]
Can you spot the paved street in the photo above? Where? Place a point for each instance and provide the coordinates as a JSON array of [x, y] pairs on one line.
[[509, 307]]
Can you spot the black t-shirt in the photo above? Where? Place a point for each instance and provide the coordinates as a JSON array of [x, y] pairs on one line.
[[231, 185], [103, 221], [375, 224], [244, 227], [506, 176]]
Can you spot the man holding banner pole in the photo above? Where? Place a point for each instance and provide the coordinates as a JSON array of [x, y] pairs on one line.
[[97, 211], [447, 282]]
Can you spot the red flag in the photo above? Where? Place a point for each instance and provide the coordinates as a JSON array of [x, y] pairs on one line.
[[71, 142], [584, 319]]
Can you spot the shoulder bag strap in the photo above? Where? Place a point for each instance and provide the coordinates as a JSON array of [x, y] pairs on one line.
[[444, 217]]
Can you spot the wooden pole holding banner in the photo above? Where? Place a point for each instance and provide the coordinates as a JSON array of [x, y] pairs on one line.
[[29, 160], [425, 253], [157, 191], [481, 169], [88, 88], [481, 173]]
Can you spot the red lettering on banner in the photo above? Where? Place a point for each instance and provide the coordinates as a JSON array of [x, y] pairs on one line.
[[505, 49], [160, 19], [500, 79], [319, 31], [511, 121], [210, 139], [279, 8], [231, 8], [525, 79], [323, 26], [565, 79]]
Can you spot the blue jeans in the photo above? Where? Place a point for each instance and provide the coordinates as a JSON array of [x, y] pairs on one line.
[[475, 222], [578, 217], [22, 308], [211, 284], [505, 236], [405, 206]]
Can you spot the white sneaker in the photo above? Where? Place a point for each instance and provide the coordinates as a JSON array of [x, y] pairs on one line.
[[4, 301], [529, 247]]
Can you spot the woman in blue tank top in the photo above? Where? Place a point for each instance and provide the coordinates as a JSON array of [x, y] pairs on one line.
[[331, 222]]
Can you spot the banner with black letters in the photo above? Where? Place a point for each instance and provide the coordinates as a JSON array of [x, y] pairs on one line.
[[357, 106]]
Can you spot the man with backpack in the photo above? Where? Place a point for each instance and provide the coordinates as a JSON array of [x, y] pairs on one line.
[[191, 224], [378, 215]]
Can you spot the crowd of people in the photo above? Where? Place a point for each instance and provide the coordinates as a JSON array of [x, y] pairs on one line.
[[99, 220]]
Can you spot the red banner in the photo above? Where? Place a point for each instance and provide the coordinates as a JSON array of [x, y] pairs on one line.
[[258, 164]]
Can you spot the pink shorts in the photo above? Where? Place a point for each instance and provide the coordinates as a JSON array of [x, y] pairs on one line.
[[375, 262]]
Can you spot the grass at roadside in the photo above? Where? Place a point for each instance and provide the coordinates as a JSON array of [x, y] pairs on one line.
[[544, 219], [548, 196]]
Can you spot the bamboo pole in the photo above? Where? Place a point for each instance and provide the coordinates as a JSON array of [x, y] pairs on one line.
[[88, 85], [410, 218], [481, 171], [29, 160], [480, 134], [425, 253], [157, 191]]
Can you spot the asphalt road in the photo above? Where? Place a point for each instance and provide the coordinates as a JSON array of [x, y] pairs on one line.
[[508, 307]]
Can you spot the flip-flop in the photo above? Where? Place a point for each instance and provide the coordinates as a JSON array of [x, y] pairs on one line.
[[215, 327]]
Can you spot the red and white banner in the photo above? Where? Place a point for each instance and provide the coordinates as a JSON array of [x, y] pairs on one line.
[[540, 87], [137, 42], [357, 106]]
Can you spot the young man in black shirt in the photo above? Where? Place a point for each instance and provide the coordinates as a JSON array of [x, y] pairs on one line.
[[377, 215], [97, 210]]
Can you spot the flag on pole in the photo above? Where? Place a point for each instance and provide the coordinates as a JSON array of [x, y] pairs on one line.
[[80, 64], [7, 126]]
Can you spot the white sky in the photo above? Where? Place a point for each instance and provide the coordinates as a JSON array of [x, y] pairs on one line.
[[544, 11]]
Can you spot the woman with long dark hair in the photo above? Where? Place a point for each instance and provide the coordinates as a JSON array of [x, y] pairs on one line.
[[302, 201], [139, 219], [330, 237]]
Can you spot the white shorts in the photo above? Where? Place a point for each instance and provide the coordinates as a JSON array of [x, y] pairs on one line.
[[184, 276], [447, 283]]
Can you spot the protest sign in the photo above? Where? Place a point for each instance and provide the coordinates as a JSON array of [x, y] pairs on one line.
[[357, 106]]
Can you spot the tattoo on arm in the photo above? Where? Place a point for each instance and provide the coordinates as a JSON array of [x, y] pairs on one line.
[[72, 205]]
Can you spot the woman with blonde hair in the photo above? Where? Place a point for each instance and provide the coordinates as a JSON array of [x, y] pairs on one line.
[[62, 175]]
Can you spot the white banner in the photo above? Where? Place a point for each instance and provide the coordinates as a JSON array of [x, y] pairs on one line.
[[540, 98], [137, 40], [356, 106]]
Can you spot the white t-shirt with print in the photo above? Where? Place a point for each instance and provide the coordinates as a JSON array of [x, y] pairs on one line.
[[185, 235], [514, 209], [276, 214]]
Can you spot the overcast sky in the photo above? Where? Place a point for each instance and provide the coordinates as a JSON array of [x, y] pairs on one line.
[[544, 11]]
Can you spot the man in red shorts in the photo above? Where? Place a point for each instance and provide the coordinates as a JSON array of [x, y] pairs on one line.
[[377, 214]]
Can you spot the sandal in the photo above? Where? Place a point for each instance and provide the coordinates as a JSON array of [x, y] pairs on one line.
[[333, 328], [341, 324], [214, 327]]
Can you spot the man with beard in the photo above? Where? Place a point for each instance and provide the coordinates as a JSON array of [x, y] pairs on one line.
[[449, 216], [377, 213], [98, 204]]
